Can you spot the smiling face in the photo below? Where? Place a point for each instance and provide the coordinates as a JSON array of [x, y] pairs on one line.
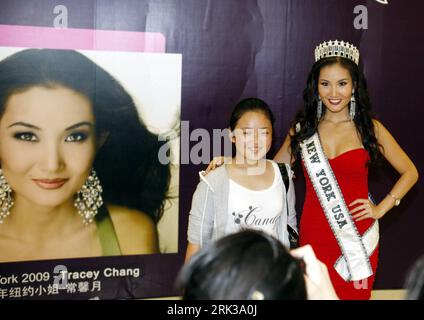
[[252, 136], [47, 144], [335, 87]]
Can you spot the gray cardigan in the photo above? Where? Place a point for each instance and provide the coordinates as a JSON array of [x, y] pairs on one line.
[[209, 209]]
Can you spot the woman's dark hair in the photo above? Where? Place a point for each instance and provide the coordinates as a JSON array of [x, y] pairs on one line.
[[306, 118], [127, 163], [249, 105], [242, 266], [415, 281]]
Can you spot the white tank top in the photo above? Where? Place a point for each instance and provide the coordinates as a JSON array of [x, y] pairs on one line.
[[250, 209]]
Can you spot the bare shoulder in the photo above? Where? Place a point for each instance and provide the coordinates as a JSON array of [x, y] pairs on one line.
[[376, 123], [379, 129], [284, 153], [136, 231]]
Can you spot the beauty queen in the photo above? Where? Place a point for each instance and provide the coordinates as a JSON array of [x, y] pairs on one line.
[[335, 138]]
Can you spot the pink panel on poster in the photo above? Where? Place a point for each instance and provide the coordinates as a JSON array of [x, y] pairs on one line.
[[84, 39]]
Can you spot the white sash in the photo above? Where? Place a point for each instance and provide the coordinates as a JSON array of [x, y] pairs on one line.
[[354, 263]]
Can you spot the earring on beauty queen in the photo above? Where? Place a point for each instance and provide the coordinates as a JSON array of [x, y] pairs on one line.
[[319, 109], [6, 200], [352, 111]]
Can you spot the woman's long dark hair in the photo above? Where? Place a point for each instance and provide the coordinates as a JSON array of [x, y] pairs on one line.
[[306, 119], [127, 163]]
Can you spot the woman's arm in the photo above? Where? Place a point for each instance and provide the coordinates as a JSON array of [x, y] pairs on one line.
[[191, 250], [200, 219], [291, 200], [284, 155], [401, 163]]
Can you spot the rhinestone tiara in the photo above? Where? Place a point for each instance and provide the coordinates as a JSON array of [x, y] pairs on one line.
[[337, 49]]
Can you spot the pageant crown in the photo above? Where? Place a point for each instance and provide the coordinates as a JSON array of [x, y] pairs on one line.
[[337, 49]]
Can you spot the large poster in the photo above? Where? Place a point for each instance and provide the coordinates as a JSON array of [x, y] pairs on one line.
[[95, 116]]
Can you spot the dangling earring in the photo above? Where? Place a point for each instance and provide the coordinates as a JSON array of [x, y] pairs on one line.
[[6, 200], [89, 198], [319, 109], [352, 111]]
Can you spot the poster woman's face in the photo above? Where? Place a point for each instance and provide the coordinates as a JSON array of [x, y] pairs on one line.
[[47, 144]]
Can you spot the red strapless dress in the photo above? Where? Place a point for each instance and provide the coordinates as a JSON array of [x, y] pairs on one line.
[[352, 175]]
